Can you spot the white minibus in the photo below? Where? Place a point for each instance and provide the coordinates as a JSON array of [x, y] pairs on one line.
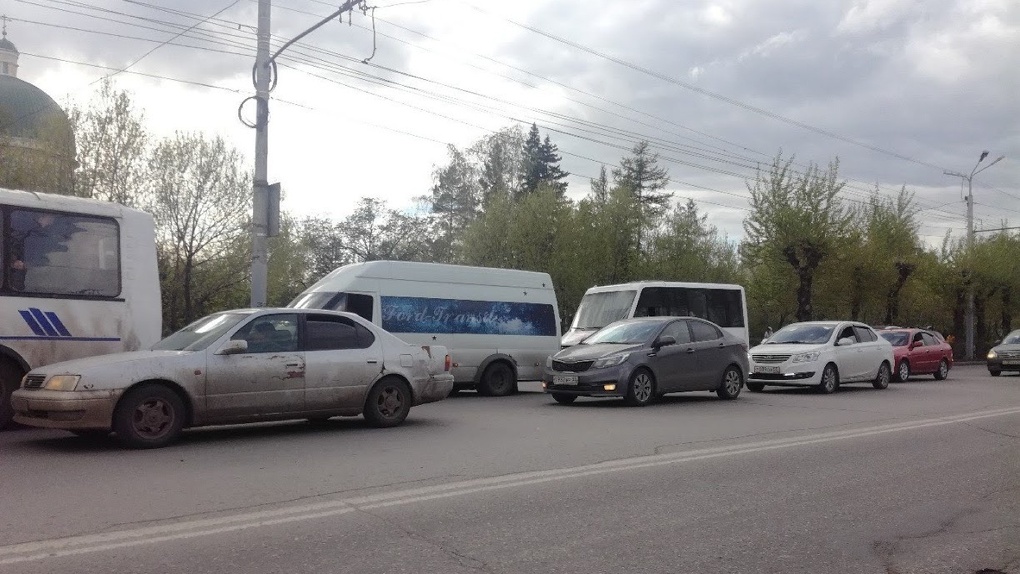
[[723, 304], [500, 325], [79, 278]]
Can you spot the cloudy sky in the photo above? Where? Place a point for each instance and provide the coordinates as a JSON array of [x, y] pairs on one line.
[[898, 90]]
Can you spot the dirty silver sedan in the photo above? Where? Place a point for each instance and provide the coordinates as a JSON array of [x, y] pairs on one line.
[[236, 367]]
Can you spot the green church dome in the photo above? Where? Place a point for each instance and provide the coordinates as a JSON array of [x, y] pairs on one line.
[[26, 111]]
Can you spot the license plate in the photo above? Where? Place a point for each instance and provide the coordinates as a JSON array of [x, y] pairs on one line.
[[767, 370], [564, 379], [1011, 362]]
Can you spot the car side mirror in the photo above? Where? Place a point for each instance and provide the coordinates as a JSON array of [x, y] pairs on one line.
[[234, 347], [665, 341], [916, 344], [845, 341]]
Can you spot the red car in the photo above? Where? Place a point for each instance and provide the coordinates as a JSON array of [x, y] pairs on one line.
[[919, 352]]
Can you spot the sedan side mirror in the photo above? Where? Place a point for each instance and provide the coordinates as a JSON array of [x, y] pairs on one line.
[[665, 341], [234, 347], [845, 341], [916, 344]]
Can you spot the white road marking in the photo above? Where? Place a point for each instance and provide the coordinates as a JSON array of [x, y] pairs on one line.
[[73, 545]]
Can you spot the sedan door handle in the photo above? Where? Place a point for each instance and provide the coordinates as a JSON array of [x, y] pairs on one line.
[[690, 350], [295, 365], [372, 362]]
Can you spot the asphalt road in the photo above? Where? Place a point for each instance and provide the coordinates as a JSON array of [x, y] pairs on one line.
[[922, 477]]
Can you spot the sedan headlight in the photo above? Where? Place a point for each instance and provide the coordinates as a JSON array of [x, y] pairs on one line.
[[62, 382], [806, 357], [610, 361], [992, 354]]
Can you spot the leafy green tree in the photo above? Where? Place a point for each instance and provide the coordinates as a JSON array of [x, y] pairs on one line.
[[199, 193], [641, 174], [455, 200], [688, 248], [112, 147], [797, 218]]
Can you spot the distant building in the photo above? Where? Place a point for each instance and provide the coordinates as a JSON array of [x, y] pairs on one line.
[[37, 151]]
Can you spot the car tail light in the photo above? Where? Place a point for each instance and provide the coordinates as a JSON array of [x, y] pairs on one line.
[[447, 363]]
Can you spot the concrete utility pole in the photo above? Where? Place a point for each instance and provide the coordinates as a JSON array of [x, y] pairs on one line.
[[262, 205], [969, 318], [260, 184]]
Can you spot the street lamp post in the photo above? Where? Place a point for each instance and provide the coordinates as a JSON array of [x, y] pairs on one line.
[[969, 319]]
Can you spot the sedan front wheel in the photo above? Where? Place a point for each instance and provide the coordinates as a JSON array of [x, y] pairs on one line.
[[903, 371], [149, 416], [641, 389], [830, 380]]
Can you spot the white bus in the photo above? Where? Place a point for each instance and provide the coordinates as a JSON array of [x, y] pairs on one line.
[[79, 278], [500, 325], [723, 304]]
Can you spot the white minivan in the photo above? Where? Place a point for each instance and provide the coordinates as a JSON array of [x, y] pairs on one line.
[[500, 325]]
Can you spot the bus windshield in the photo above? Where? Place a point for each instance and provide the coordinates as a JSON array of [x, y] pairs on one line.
[[600, 309], [200, 334]]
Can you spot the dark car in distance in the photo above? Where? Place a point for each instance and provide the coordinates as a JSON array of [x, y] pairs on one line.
[[1005, 356], [644, 358]]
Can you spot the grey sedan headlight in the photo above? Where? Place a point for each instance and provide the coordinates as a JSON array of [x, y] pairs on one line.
[[62, 382], [610, 361], [992, 354]]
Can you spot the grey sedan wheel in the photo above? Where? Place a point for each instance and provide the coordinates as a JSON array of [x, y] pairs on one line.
[[10, 379], [882, 380], [903, 371], [830, 380], [732, 381], [388, 403], [149, 416], [943, 372], [641, 389]]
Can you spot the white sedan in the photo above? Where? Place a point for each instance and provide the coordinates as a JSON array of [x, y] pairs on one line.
[[821, 354], [236, 367]]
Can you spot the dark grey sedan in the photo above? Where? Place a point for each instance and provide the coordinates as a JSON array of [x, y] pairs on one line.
[[642, 359], [1006, 355]]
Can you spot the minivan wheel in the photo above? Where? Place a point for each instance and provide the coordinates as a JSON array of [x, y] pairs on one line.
[[564, 399], [903, 371], [943, 372], [497, 380], [149, 416], [641, 389], [388, 403], [731, 383], [882, 380], [830, 380]]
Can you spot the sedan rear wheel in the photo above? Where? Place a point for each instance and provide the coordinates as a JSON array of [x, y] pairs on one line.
[[731, 383], [149, 416], [903, 371], [388, 403], [943, 372], [641, 389], [830, 380], [882, 380]]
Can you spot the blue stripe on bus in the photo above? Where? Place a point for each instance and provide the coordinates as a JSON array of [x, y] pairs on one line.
[[61, 338], [57, 323], [32, 324], [44, 322]]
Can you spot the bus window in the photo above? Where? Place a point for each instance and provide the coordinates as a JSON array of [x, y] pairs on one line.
[[597, 310], [61, 254]]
